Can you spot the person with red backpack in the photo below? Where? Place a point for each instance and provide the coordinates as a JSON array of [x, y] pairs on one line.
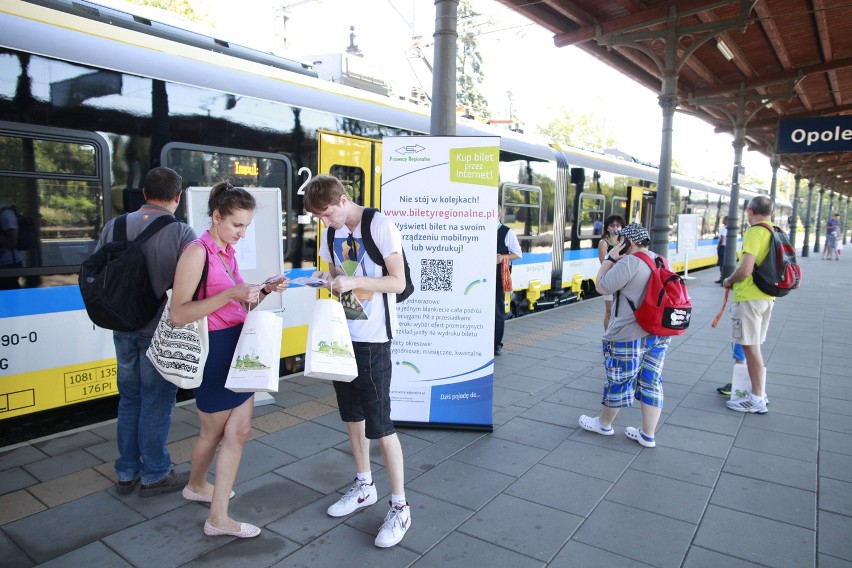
[[752, 307], [633, 356]]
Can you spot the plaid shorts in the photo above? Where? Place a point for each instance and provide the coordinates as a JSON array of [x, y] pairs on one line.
[[634, 367]]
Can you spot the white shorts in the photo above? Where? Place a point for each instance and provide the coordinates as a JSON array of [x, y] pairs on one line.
[[750, 321]]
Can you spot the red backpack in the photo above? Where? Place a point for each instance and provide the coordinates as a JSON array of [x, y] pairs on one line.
[[778, 273], [666, 308]]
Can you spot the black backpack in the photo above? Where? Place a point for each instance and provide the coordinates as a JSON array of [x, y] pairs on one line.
[[778, 273], [376, 257], [114, 281], [27, 232]]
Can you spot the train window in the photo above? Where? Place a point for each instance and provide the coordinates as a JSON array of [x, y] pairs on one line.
[[352, 179], [591, 216], [53, 203], [619, 207], [208, 166], [205, 166], [46, 156], [522, 212]]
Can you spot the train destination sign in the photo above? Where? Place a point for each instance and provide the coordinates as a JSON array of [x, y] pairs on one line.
[[808, 135]]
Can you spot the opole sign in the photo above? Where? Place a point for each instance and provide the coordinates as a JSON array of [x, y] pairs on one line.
[[808, 135]]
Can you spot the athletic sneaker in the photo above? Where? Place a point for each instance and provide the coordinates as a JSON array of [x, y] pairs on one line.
[[725, 390], [639, 436], [746, 404], [359, 495], [393, 529]]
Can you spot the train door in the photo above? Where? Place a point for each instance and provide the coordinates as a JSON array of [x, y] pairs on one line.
[[641, 202], [356, 162], [634, 204]]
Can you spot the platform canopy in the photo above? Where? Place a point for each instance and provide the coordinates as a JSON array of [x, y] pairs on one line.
[[788, 59]]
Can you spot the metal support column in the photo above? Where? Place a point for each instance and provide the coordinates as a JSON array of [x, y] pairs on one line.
[[444, 78], [730, 263], [668, 102], [773, 187], [845, 220], [794, 222], [806, 246]]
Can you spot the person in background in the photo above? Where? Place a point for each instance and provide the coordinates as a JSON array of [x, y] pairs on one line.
[[508, 249], [364, 403], [633, 359], [9, 255], [832, 230], [612, 226], [145, 399], [225, 298], [752, 309], [720, 248]]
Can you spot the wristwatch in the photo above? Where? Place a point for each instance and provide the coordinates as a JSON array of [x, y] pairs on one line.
[[612, 260]]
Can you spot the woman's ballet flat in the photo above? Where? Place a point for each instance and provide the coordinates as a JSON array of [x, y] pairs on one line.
[[190, 495], [246, 531]]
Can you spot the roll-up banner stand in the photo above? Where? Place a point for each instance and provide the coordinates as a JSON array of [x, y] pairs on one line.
[[442, 194]]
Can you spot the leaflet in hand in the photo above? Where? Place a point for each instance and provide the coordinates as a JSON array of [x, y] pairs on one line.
[[309, 281], [278, 278]]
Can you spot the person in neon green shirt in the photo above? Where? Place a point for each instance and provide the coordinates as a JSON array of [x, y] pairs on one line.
[[752, 309]]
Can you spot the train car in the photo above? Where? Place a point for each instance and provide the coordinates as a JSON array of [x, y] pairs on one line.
[[91, 98]]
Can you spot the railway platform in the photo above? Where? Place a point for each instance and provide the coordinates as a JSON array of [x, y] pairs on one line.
[[720, 489]]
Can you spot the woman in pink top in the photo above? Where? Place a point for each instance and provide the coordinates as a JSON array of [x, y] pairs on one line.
[[224, 298]]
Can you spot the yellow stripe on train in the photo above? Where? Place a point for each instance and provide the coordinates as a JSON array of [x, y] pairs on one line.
[[35, 391]]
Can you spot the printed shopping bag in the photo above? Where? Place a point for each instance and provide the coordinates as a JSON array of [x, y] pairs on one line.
[[254, 367], [740, 381], [179, 352], [329, 354]]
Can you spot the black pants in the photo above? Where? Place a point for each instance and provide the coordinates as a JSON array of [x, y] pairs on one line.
[[499, 315]]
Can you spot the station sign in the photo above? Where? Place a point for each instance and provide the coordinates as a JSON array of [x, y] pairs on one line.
[[809, 135]]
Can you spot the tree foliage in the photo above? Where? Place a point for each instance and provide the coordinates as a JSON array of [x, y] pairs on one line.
[[580, 129], [469, 65], [183, 8]]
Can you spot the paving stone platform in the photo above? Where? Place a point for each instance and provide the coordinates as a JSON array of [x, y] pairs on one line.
[[720, 488]]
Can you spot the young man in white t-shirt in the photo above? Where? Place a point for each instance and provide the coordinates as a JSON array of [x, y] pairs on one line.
[[364, 404]]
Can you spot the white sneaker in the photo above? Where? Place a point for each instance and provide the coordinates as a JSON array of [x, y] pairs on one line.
[[358, 496], [393, 529], [746, 404]]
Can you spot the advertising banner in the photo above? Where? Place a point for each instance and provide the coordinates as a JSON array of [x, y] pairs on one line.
[[442, 194]]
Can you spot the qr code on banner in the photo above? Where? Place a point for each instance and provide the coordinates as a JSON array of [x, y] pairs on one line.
[[436, 275]]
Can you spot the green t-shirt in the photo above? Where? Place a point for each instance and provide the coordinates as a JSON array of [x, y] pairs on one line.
[[756, 242]]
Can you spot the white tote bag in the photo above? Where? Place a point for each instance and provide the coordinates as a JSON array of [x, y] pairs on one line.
[[741, 381], [254, 367], [329, 354], [179, 352]]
